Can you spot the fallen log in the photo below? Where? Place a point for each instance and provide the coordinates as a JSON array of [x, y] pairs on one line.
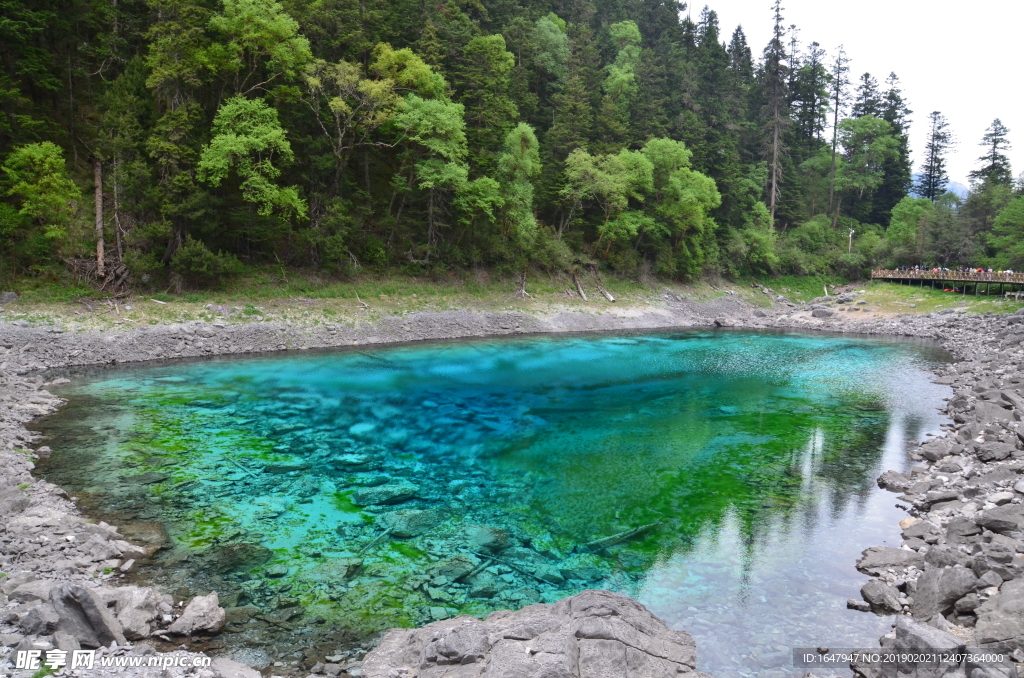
[[605, 542]]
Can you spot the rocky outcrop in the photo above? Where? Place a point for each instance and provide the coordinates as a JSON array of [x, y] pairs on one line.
[[590, 635], [959, 574]]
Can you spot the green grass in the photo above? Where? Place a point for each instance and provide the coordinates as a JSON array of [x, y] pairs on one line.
[[892, 297], [802, 289]]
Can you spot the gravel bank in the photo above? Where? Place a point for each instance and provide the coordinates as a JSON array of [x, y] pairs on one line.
[[57, 562]]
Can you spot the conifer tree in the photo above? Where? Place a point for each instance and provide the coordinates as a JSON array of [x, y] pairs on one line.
[[934, 176], [995, 165]]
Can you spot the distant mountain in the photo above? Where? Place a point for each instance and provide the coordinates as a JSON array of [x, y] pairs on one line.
[[954, 187]]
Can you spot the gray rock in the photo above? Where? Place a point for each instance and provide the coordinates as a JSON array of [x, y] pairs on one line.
[[938, 589], [1000, 624], [12, 501], [822, 313], [455, 567], [382, 495], [894, 481], [487, 537], [877, 559], [960, 529], [138, 610], [1002, 519], [41, 620], [593, 634], [239, 557], [66, 642], [8, 584], [84, 616], [31, 592], [881, 596], [8, 297], [226, 668], [203, 615], [408, 523], [994, 451]]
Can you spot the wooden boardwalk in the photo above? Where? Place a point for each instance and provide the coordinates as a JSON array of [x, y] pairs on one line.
[[960, 281]]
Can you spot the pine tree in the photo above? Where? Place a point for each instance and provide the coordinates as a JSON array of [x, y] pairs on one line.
[[774, 75], [839, 98], [867, 100], [995, 166], [810, 99], [897, 171], [934, 177]]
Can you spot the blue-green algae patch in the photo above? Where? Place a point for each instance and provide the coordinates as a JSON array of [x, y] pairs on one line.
[[726, 480]]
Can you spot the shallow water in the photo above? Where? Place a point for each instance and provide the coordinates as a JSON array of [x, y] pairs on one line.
[[747, 461]]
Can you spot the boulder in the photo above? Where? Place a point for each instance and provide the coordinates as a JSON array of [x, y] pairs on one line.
[[8, 584], [1002, 519], [12, 501], [455, 567], [877, 559], [239, 557], [960, 529], [994, 451], [41, 620], [894, 481], [31, 591], [138, 610], [881, 597], [203, 615], [593, 634], [938, 589], [408, 523], [383, 495], [822, 313], [987, 412], [1000, 624], [489, 538], [84, 616], [223, 667]]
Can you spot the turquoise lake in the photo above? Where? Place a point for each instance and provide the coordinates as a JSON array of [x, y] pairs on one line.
[[723, 479]]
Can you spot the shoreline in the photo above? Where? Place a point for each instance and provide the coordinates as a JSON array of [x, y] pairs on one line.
[[34, 349]]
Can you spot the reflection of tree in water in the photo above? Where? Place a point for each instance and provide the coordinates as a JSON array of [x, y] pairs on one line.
[[813, 455]]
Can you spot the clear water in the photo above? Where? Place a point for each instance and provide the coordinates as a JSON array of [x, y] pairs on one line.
[[749, 460]]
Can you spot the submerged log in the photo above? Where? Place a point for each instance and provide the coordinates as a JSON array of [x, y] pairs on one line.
[[605, 542]]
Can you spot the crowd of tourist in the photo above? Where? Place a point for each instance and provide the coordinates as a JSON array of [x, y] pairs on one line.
[[960, 272]]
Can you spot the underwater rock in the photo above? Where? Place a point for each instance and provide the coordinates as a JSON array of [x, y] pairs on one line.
[[408, 523], [152, 535], [285, 466], [484, 585], [595, 633], [455, 567], [487, 537], [391, 493], [241, 556], [204, 614]]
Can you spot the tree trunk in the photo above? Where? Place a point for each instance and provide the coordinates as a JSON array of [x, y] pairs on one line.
[[97, 174]]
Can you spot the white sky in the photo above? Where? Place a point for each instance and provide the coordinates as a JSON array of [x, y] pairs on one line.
[[962, 59]]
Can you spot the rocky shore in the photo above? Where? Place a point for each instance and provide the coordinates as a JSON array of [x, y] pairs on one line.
[[964, 532]]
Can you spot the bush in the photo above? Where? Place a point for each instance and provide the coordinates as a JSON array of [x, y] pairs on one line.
[[199, 266]]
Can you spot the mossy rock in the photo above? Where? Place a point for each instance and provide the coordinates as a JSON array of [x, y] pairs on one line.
[[238, 557]]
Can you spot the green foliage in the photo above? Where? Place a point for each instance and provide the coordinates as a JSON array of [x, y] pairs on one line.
[[247, 137], [201, 267], [36, 180], [341, 134], [1008, 236], [259, 43], [517, 167]]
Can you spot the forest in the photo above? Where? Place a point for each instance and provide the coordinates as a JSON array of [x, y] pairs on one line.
[[177, 143]]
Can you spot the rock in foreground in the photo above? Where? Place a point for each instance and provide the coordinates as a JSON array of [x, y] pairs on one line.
[[590, 635]]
